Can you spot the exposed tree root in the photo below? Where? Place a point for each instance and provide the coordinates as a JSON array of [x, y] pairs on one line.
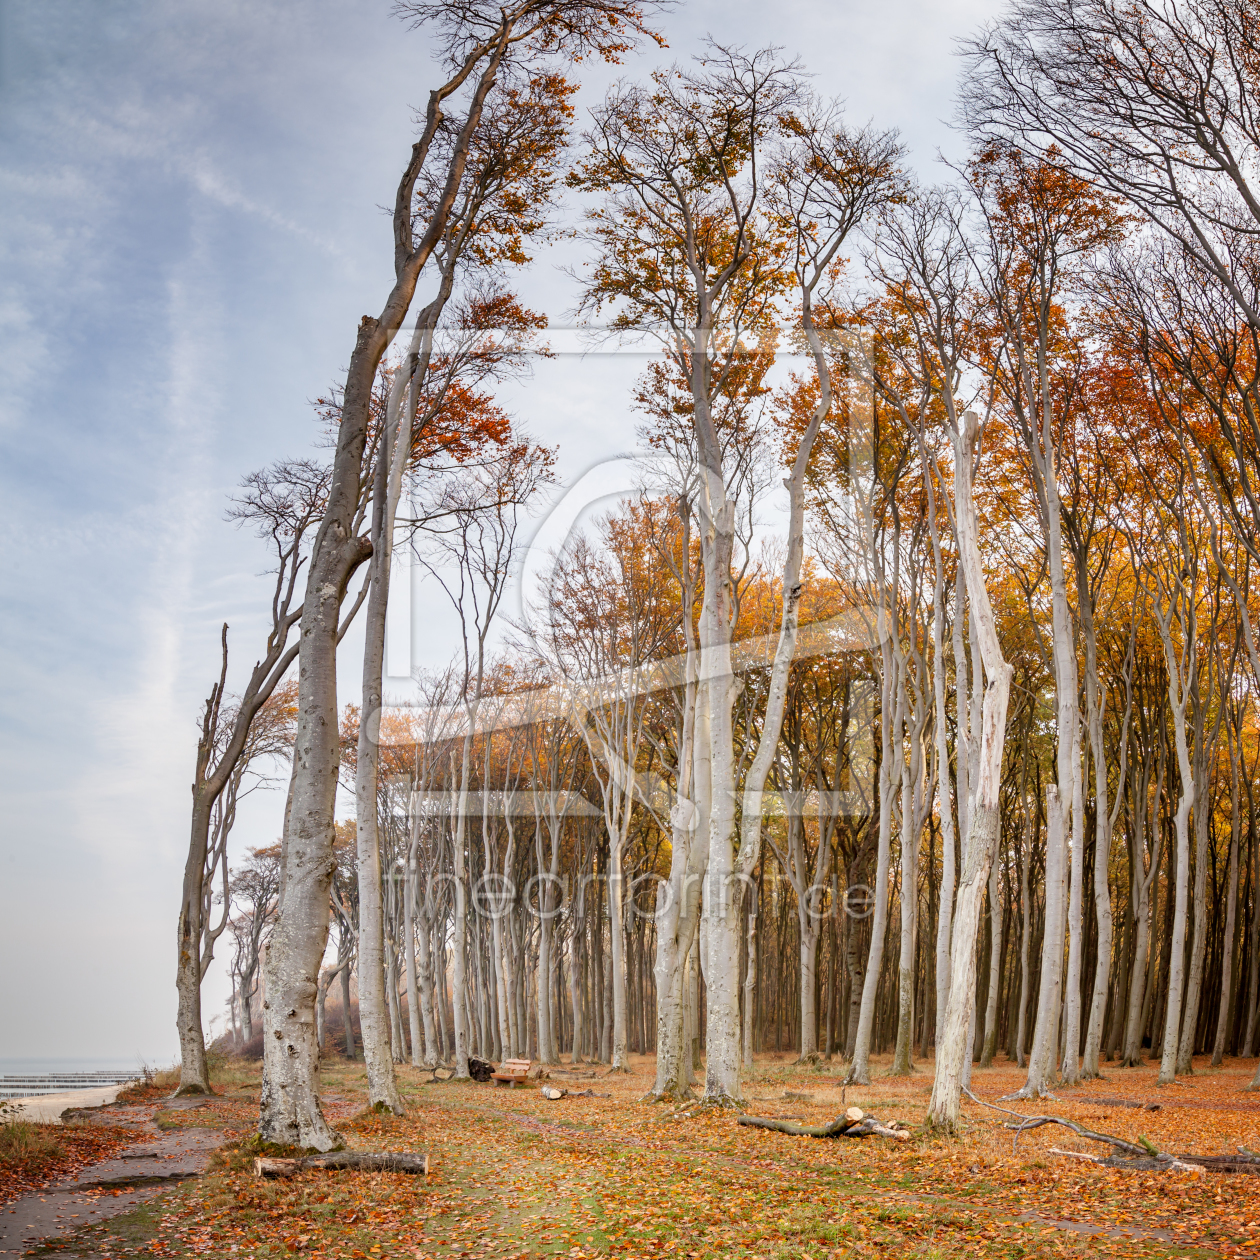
[[668, 1096]]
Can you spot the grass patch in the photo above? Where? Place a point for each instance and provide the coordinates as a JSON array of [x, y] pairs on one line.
[[154, 1083], [27, 1145]]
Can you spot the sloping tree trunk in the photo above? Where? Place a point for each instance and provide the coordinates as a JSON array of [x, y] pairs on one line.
[[290, 1113]]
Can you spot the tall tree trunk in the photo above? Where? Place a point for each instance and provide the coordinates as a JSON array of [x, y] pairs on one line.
[[1176, 966], [902, 1062], [891, 719], [374, 1017], [409, 964], [617, 950], [1204, 753], [985, 808], [995, 969], [1231, 910], [290, 1113], [194, 1072]]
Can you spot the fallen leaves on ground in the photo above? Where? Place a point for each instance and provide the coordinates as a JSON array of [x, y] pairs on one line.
[[515, 1175], [55, 1151]]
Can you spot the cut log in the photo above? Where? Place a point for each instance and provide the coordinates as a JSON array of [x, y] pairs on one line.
[[359, 1161], [1119, 1102], [1244, 1163], [854, 1123], [550, 1091], [479, 1069]]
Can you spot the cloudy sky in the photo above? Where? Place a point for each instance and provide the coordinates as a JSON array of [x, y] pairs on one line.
[[191, 231]]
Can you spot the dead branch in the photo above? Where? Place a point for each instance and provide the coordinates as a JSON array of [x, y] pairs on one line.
[[854, 1123], [1035, 1122], [1131, 1157]]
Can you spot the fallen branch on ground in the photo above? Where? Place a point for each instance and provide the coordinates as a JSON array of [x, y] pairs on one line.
[[1119, 1102], [854, 1123], [1165, 1163], [359, 1161], [1140, 1156]]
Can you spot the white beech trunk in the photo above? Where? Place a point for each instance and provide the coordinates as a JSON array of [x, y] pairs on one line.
[[953, 1053], [1025, 944], [891, 720], [944, 801], [459, 940], [902, 1057], [1075, 922], [409, 964], [1142, 882], [1205, 746], [433, 1050], [995, 967], [290, 1113], [1178, 692], [1231, 911], [1062, 833], [678, 901], [914, 789], [1198, 948], [1105, 820], [750, 989], [1045, 1046], [617, 947]]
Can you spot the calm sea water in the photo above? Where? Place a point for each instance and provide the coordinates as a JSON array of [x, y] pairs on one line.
[[16, 1067]]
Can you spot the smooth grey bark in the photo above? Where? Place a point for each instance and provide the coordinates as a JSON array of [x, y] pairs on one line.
[[1205, 746], [915, 792], [290, 1113], [1025, 944], [1229, 949], [1105, 821], [419, 1048], [1044, 1052], [995, 968], [226, 744], [678, 900], [374, 1019], [1141, 884], [954, 1052], [892, 716], [944, 801], [1182, 677]]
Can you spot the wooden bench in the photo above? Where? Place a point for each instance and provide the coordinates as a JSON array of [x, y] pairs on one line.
[[511, 1071]]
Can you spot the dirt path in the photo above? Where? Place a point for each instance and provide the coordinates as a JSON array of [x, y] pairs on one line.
[[109, 1187]]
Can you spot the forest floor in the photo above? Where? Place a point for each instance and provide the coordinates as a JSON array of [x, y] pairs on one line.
[[515, 1175]]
